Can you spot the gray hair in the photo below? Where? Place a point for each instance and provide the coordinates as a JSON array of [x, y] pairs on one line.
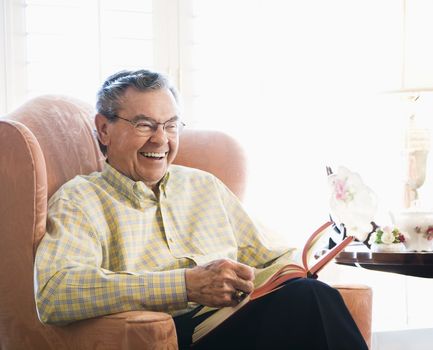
[[113, 89], [108, 97]]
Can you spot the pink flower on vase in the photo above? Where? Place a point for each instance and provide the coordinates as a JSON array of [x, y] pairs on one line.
[[342, 191], [429, 233]]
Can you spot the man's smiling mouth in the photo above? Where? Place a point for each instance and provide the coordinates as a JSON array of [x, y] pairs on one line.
[[154, 155]]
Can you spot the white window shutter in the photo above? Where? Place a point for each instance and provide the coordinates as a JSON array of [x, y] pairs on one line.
[[13, 75]]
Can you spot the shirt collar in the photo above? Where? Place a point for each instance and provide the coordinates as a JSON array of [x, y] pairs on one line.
[[133, 190], [163, 183]]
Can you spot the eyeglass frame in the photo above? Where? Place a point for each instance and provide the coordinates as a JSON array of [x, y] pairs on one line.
[[154, 123]]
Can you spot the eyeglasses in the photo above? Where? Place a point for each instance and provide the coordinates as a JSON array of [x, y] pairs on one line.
[[148, 127]]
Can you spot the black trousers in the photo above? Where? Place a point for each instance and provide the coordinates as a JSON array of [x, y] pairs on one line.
[[304, 314]]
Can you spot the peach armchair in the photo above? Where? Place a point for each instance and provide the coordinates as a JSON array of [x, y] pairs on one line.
[[45, 143]]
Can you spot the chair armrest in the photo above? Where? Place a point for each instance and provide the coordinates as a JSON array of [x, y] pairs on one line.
[[359, 301], [150, 330], [132, 330]]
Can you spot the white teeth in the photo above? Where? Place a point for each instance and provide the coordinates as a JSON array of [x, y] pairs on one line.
[[153, 154]]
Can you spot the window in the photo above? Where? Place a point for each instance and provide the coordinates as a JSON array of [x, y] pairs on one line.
[[73, 45], [3, 96], [12, 54]]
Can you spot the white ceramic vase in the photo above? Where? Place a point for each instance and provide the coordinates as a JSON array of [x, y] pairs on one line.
[[416, 227]]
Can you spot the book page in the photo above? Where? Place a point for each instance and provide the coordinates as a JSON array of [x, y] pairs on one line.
[[276, 279], [216, 319], [262, 276]]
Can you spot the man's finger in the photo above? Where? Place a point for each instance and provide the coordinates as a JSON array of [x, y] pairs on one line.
[[244, 271], [243, 285]]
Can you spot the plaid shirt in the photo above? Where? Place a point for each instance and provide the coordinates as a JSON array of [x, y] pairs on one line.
[[111, 245]]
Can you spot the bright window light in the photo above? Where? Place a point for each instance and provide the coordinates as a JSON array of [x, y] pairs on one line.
[[297, 82], [74, 45]]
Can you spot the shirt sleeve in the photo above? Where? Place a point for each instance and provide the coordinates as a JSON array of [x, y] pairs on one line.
[[70, 283], [257, 247]]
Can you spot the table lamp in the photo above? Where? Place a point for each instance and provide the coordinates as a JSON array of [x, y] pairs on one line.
[[416, 146], [415, 220]]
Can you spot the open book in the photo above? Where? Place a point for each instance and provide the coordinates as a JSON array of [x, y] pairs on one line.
[[271, 278]]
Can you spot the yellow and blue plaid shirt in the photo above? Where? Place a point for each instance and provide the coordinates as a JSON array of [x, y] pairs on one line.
[[112, 245]]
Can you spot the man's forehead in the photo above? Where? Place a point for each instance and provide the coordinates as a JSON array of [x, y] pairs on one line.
[[139, 102], [133, 93]]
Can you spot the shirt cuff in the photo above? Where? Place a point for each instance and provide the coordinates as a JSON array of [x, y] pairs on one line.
[[166, 290]]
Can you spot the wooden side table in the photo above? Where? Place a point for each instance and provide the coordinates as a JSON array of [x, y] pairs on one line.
[[419, 264]]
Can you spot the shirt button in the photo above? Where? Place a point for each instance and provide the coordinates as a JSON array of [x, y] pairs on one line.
[[170, 240]]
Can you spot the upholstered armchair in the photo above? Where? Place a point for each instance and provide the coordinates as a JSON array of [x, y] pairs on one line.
[[45, 143]]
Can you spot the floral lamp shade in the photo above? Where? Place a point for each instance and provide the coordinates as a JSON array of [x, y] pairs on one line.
[[352, 203]]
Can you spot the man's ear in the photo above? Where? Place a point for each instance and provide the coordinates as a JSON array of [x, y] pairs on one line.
[[101, 123]]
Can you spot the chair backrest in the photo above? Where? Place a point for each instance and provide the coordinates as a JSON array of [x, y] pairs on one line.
[[57, 131], [43, 144], [216, 153]]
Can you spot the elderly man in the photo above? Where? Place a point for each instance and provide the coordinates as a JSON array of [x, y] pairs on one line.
[[147, 235]]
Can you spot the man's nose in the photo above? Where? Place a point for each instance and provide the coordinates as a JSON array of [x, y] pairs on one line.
[[159, 136]]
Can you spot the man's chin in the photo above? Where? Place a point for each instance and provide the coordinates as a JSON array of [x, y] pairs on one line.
[[153, 180]]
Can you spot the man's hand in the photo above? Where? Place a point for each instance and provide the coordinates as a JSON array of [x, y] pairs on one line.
[[217, 283]]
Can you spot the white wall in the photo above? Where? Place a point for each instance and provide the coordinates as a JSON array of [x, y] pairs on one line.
[[413, 339]]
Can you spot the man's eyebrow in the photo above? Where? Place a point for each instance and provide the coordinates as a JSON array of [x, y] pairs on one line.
[[144, 117]]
